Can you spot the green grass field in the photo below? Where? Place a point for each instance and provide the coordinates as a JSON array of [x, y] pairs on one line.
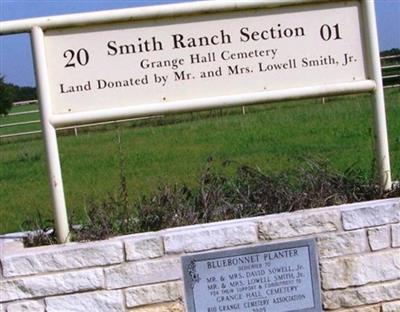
[[174, 149], [20, 118]]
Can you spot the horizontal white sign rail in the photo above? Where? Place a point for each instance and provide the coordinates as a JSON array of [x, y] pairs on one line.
[[143, 13], [62, 120]]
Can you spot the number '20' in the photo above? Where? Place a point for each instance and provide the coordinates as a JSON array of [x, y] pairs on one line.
[[80, 57]]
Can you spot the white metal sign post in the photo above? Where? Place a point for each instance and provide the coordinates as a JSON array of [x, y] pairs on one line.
[[164, 59], [375, 72], [50, 136]]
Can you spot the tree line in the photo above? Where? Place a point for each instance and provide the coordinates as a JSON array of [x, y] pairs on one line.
[[10, 93], [390, 52]]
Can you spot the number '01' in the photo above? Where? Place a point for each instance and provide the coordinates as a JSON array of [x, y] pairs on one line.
[[80, 57], [330, 32]]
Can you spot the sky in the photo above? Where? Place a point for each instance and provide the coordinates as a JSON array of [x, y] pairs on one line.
[[15, 50]]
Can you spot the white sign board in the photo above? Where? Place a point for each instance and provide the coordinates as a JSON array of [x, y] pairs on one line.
[[155, 61]]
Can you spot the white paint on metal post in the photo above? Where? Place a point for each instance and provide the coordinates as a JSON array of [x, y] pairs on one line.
[[50, 137], [375, 72]]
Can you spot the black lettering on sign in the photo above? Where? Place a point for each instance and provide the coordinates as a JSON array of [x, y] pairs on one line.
[[81, 56], [330, 32]]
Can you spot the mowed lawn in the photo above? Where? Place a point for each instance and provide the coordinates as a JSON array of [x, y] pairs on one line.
[[20, 118], [175, 149]]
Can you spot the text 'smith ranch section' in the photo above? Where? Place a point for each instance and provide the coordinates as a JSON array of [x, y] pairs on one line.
[[146, 62]]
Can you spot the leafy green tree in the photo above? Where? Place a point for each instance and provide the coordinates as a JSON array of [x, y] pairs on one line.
[[6, 97]]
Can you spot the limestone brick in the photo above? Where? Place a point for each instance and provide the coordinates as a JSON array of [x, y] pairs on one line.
[[299, 224], [165, 307], [360, 270], [151, 294], [48, 285], [359, 296], [144, 247], [211, 237], [99, 301], [26, 306], [142, 273], [396, 235], [391, 306], [375, 308], [341, 244], [370, 216], [59, 258], [379, 238]]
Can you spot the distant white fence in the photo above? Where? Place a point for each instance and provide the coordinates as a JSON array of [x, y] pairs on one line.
[[24, 113], [75, 128], [21, 103], [395, 59]]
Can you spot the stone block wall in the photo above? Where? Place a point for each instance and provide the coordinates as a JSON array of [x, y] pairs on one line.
[[358, 245]]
